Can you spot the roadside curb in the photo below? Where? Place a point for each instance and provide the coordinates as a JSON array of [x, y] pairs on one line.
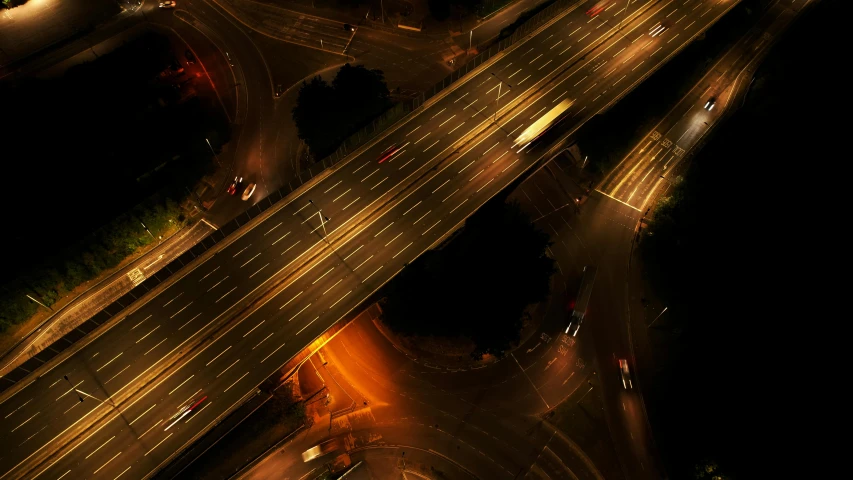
[[76, 301]]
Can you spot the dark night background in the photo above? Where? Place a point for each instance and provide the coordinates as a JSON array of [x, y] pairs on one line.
[[737, 261]]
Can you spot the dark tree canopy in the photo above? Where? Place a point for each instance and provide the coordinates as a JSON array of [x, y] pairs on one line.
[[326, 114], [478, 285], [440, 9], [314, 113], [361, 93], [743, 279], [91, 154]]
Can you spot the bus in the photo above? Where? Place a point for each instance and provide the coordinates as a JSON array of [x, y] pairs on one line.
[[323, 448], [539, 127], [582, 300]]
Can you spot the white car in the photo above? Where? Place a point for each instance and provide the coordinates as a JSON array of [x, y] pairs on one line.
[[626, 374], [250, 189], [659, 28], [185, 410], [710, 103], [168, 4]]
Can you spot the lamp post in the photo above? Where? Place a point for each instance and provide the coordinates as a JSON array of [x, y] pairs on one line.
[[470, 39], [73, 387], [498, 100], [81, 392], [146, 229], [213, 152], [43, 305], [627, 4], [323, 223], [656, 318]]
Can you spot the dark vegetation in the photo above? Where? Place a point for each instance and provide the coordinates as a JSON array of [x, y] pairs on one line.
[[607, 138], [91, 155], [11, 3], [478, 285], [735, 256], [326, 114]]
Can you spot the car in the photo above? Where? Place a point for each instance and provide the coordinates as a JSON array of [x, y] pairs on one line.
[[349, 27], [710, 103], [168, 4], [598, 8], [659, 28], [574, 326], [235, 185], [250, 189], [228, 56], [324, 448], [279, 89], [190, 56], [388, 153], [626, 374], [185, 410]]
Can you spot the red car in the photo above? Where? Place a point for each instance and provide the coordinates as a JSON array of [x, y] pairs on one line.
[[235, 185], [598, 8], [184, 411], [388, 153]]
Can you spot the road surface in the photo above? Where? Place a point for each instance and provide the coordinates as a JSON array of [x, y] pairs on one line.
[[458, 156]]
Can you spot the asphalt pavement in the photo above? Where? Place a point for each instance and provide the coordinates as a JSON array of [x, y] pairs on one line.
[[480, 423], [452, 159]]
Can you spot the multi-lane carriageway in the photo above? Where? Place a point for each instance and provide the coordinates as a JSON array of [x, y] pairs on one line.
[[454, 157]]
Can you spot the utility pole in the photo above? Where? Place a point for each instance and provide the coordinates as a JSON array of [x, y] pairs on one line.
[[320, 212], [146, 229], [43, 305], [213, 152], [73, 387], [81, 392], [627, 4], [498, 100], [656, 318]]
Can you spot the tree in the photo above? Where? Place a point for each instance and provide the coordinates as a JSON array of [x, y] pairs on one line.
[[709, 470], [361, 93], [440, 9], [462, 291], [315, 117], [326, 114]]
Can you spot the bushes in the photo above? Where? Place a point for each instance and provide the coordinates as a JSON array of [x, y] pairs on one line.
[[102, 250]]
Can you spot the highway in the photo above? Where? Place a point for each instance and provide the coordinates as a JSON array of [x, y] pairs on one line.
[[645, 171], [459, 159], [604, 232]]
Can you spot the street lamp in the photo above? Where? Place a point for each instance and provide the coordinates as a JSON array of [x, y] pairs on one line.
[[43, 305], [656, 318], [320, 213], [146, 229], [213, 152], [498, 100], [73, 387], [81, 392]]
